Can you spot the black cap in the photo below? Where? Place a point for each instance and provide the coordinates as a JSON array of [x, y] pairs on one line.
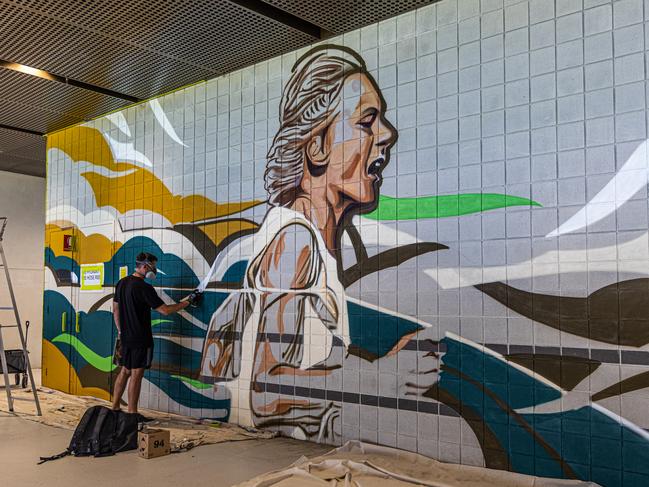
[[145, 258]]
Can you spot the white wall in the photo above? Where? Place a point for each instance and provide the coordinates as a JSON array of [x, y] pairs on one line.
[[22, 200]]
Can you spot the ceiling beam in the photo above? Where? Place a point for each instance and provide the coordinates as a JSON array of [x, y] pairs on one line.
[[18, 129], [39, 73], [283, 17]]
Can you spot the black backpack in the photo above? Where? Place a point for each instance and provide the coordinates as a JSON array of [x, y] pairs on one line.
[[102, 432]]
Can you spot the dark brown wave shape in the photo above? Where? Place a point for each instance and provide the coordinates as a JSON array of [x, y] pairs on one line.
[[617, 314], [493, 452], [89, 376], [387, 259], [204, 244], [563, 370], [98, 304], [634, 383], [365, 264]]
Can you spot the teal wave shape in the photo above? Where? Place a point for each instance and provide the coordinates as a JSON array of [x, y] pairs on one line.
[[443, 206], [105, 364], [176, 388], [177, 272]]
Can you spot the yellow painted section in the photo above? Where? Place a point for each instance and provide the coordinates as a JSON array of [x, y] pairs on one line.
[[142, 190], [218, 231], [88, 249], [86, 144], [55, 373], [139, 188], [62, 377]]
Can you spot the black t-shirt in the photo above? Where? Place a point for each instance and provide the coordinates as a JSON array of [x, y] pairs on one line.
[[136, 298]]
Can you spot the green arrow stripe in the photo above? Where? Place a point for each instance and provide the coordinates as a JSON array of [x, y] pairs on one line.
[[443, 206], [159, 321], [192, 382], [105, 364]]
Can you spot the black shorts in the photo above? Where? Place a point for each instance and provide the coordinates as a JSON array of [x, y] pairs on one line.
[[136, 358]]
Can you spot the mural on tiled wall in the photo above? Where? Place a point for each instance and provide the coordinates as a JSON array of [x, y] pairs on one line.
[[431, 233]]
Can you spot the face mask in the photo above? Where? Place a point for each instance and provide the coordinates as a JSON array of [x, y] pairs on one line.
[[152, 272]]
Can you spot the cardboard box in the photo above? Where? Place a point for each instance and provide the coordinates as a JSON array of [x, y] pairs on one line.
[[153, 443]]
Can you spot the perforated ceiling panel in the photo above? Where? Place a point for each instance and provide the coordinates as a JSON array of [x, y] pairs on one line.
[[139, 49], [340, 16], [54, 102], [119, 44], [21, 152]]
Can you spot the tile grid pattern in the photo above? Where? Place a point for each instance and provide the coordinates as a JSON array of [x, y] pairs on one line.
[[539, 99]]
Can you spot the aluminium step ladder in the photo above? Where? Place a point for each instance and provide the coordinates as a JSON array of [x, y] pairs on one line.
[[18, 325]]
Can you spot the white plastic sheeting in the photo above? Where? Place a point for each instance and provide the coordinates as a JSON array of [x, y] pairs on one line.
[[357, 464]]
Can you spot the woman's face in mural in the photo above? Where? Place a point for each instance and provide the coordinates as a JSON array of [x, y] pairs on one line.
[[358, 143]]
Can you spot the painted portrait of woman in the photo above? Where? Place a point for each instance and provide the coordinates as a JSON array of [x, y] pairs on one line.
[[323, 167]]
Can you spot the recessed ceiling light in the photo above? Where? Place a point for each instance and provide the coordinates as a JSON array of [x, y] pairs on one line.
[[22, 68], [39, 73]]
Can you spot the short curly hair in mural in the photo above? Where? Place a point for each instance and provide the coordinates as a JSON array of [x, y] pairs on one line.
[[310, 100]]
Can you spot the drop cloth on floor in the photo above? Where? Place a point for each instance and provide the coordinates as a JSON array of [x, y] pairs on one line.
[[357, 464]]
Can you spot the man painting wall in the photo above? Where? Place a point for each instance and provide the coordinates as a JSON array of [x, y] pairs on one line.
[[327, 328], [132, 304]]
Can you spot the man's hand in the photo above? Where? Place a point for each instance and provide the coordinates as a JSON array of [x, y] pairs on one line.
[[195, 298]]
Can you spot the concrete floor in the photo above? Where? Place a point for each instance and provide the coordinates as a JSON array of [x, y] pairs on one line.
[[22, 442], [224, 464]]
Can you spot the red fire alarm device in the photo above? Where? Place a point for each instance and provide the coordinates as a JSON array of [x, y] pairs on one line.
[[68, 243]]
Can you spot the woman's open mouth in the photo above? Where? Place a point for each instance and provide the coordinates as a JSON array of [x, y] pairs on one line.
[[376, 167]]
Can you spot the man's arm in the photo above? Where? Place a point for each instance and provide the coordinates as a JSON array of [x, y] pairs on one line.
[[152, 300], [116, 317], [167, 309]]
